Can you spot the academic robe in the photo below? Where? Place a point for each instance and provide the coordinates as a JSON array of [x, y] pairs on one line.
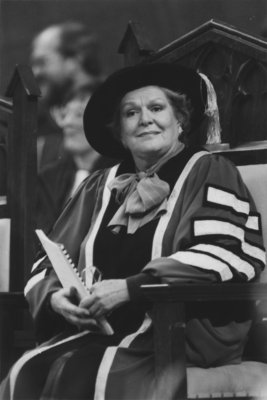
[[210, 232], [54, 186]]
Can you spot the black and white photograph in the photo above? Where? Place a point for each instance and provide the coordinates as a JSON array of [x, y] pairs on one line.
[[133, 211]]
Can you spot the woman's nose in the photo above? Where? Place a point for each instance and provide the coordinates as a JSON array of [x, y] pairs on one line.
[[145, 117]]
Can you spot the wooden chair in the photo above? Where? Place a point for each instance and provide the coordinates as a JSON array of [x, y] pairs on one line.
[[236, 63], [17, 218]]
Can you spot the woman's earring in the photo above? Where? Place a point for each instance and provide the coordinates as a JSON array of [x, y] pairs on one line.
[[180, 129]]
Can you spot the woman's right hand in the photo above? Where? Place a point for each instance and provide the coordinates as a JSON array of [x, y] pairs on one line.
[[62, 302]]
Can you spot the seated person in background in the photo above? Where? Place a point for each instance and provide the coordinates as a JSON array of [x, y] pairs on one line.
[[58, 181], [169, 212]]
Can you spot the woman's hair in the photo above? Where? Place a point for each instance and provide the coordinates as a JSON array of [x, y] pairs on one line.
[[182, 109], [180, 104]]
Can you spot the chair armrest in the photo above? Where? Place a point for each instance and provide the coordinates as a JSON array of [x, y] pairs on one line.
[[169, 326], [205, 292]]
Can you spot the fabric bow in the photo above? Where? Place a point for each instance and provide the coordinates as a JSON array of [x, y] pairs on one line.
[[142, 196]]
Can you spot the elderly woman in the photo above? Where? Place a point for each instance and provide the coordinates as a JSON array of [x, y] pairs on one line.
[[169, 212]]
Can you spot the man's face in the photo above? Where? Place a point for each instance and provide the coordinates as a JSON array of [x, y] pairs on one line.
[[52, 71]]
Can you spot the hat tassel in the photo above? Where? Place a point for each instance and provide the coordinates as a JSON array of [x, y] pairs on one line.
[[212, 111]]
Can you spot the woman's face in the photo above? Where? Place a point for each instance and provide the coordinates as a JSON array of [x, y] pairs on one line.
[[149, 127]]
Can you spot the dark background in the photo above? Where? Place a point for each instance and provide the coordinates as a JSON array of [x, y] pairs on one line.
[[164, 20]]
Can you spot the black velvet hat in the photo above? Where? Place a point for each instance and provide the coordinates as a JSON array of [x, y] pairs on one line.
[[103, 103]]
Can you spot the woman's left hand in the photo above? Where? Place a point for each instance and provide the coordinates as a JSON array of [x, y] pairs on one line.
[[105, 297]]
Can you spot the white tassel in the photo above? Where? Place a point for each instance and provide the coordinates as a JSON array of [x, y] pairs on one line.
[[212, 111]]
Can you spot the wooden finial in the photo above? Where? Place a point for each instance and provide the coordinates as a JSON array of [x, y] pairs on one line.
[[135, 44]]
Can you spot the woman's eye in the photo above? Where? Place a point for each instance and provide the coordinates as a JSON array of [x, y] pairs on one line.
[[156, 108], [130, 113]]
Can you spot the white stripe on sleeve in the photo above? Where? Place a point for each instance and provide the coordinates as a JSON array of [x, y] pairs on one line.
[[254, 251], [223, 198], [217, 227], [253, 222], [203, 261], [231, 258]]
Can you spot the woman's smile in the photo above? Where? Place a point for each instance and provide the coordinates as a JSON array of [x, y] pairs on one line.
[[148, 133]]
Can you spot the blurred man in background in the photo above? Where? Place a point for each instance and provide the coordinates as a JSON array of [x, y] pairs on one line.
[[64, 59]]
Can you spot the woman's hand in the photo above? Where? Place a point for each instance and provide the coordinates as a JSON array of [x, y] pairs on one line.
[[105, 297], [63, 303]]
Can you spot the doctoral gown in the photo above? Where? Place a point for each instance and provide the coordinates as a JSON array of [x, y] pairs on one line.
[[210, 232]]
